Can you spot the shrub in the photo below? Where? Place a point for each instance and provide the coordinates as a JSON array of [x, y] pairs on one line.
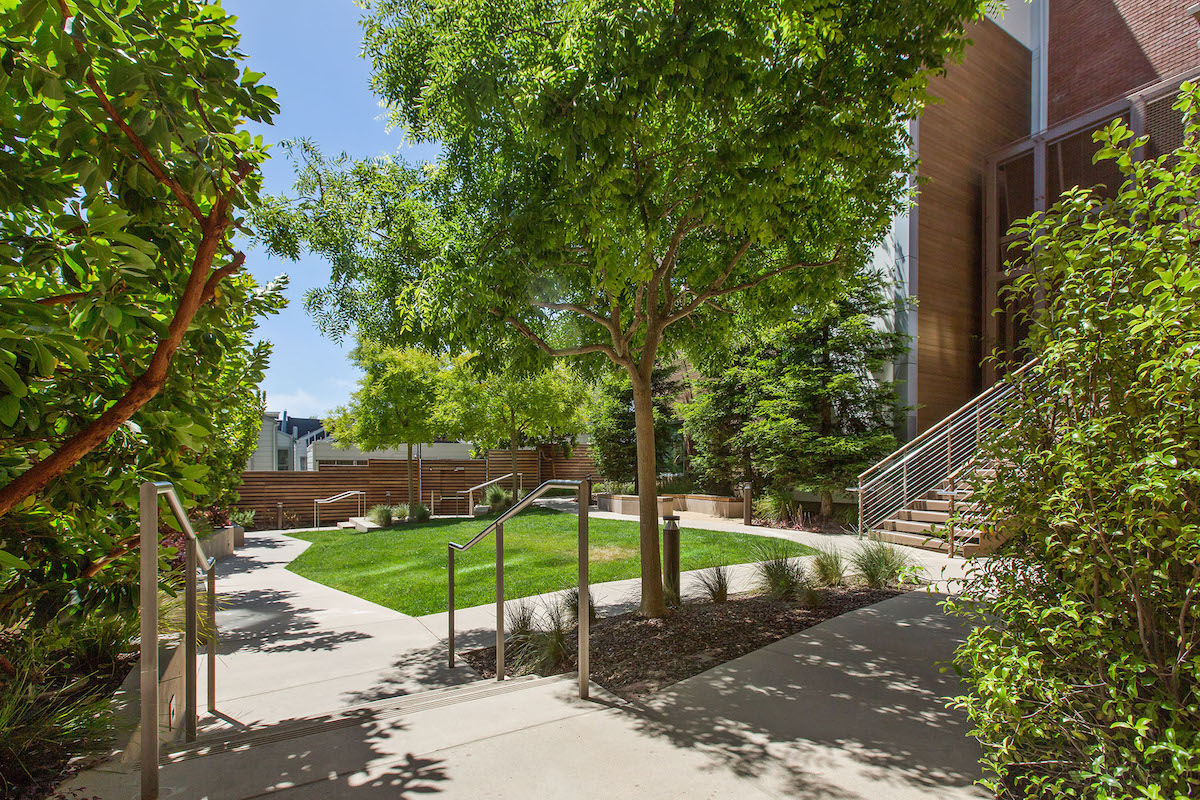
[[498, 498], [243, 517], [781, 575], [713, 583], [880, 565], [614, 487], [829, 567], [49, 712], [520, 620], [570, 605], [547, 649], [420, 513], [1082, 665], [380, 515], [776, 507], [400, 512]]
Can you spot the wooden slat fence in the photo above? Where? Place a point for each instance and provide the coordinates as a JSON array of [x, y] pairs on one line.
[[386, 481]]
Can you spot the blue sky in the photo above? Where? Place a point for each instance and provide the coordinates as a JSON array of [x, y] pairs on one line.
[[309, 50]]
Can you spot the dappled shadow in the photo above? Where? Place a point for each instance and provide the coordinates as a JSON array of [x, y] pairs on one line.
[[269, 620], [415, 670], [362, 752], [861, 693]]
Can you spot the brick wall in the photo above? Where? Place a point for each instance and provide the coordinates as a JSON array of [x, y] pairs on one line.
[[1101, 49]]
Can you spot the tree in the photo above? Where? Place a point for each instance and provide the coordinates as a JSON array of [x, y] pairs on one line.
[[800, 403], [1082, 663], [396, 403], [612, 428], [615, 177], [512, 408], [123, 167]]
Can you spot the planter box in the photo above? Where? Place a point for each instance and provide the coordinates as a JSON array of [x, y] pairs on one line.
[[710, 504], [239, 536], [628, 503], [218, 544], [127, 704]]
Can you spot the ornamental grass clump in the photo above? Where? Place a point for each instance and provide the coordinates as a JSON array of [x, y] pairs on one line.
[[498, 498], [713, 583], [569, 600], [1083, 664], [380, 515], [781, 575], [829, 567], [880, 565], [547, 648]]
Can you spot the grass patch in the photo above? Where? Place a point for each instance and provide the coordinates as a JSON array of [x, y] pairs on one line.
[[405, 569]]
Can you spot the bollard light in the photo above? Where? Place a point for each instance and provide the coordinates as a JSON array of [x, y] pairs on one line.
[[671, 558]]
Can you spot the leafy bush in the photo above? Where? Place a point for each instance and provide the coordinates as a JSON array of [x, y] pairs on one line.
[[420, 513], [243, 517], [614, 487], [829, 567], [570, 605], [1082, 666], [714, 583], [380, 515], [781, 575], [776, 506], [882, 566]]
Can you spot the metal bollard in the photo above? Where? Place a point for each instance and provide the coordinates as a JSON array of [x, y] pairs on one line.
[[747, 502], [671, 557], [279, 516]]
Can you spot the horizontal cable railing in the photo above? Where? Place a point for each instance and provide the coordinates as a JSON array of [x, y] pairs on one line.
[[942, 456], [496, 526], [194, 557]]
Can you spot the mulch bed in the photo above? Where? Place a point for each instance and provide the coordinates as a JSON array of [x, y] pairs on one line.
[[633, 656]]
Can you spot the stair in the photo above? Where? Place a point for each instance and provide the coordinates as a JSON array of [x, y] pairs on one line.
[[925, 522]]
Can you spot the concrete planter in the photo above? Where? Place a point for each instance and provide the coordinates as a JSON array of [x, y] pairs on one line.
[[628, 503], [712, 505], [239, 536], [127, 704], [218, 544]]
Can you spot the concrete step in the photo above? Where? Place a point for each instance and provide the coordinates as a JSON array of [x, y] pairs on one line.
[[923, 515], [927, 528], [363, 525], [964, 548], [929, 504], [346, 525]]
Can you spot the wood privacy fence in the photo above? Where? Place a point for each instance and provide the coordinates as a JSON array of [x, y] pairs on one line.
[[439, 483]]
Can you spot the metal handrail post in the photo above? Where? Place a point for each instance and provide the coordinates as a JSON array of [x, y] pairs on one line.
[[500, 602], [450, 633], [191, 623], [148, 585], [584, 612], [212, 639]]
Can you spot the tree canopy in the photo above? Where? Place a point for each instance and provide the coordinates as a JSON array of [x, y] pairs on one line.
[[126, 349], [616, 177]]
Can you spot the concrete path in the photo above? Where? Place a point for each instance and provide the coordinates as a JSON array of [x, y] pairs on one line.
[[290, 646], [849, 710]]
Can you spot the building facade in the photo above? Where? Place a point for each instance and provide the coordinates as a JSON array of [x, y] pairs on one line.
[[1011, 130]]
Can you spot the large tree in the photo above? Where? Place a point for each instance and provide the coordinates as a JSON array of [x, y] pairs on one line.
[[396, 403], [615, 177], [124, 164]]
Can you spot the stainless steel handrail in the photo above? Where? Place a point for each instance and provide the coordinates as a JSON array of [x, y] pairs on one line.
[[946, 453], [470, 493], [194, 556], [362, 504], [583, 494]]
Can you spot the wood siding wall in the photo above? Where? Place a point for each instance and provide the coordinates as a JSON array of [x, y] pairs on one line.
[[386, 480], [985, 105]]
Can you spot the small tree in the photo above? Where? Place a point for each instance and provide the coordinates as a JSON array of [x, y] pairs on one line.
[[1083, 666], [612, 431], [396, 403], [511, 409]]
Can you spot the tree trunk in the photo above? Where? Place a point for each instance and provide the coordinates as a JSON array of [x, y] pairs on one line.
[[653, 604], [410, 483], [826, 503]]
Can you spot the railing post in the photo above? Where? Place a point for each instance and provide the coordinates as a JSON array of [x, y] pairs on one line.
[[212, 639], [861, 531], [148, 584], [953, 495], [584, 614], [450, 632], [500, 602], [191, 623], [904, 478]]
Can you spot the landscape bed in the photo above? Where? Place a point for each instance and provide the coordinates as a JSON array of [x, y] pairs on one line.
[[404, 568], [632, 656]]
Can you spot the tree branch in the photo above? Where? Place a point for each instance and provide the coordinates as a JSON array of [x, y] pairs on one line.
[[562, 351]]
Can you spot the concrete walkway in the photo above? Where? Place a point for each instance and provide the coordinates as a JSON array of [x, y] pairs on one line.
[[356, 700]]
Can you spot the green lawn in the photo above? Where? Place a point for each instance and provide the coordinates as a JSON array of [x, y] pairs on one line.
[[405, 568]]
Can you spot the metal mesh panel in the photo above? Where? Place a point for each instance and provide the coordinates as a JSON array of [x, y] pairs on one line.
[[1164, 125]]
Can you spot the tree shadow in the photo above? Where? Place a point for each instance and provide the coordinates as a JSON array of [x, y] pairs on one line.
[[269, 621], [413, 671], [862, 691]]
